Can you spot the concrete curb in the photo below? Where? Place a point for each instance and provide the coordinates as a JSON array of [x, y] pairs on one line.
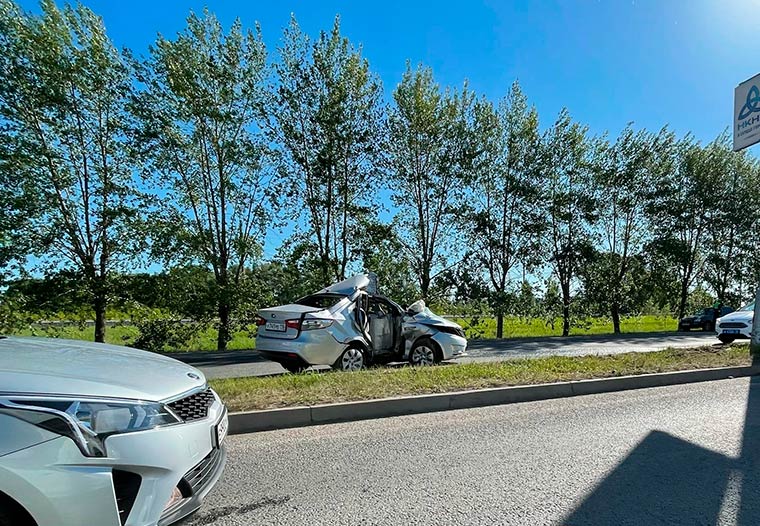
[[253, 421]]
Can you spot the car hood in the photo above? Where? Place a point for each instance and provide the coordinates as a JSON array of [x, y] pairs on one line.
[[76, 368], [745, 315], [429, 318], [688, 319]]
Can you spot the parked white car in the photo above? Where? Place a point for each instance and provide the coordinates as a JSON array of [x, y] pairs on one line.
[[101, 435], [348, 328], [736, 325]]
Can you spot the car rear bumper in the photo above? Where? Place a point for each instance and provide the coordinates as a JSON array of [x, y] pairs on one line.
[[316, 347]]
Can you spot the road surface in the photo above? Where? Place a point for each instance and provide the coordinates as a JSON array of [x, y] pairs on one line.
[[248, 363], [680, 455]]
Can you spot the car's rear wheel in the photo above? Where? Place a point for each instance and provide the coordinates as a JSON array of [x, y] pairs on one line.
[[423, 353], [726, 338], [352, 359]]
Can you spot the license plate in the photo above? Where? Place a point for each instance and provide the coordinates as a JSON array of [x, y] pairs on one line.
[[275, 326], [731, 331], [221, 429]]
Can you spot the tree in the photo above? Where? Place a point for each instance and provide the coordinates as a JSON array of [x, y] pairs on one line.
[[327, 120], [63, 94], [733, 219], [566, 167], [679, 212], [504, 224], [431, 155], [624, 179], [205, 156]]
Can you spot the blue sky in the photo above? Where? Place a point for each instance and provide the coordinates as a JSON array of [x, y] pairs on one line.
[[653, 62]]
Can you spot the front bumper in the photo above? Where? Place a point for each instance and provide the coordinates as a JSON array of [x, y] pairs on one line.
[[734, 329], [131, 487], [197, 482], [452, 346]]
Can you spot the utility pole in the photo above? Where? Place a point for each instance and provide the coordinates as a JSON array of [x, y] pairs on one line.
[[754, 346]]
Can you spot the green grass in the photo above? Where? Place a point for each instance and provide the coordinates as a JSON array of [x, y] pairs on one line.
[[243, 394], [519, 327], [484, 327], [126, 335]]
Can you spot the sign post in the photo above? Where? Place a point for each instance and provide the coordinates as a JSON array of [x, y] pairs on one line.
[[746, 125]]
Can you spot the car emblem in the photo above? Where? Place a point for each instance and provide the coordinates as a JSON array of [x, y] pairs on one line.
[[273, 315], [194, 376]]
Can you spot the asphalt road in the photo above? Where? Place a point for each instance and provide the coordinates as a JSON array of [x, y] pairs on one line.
[[681, 455], [249, 363]]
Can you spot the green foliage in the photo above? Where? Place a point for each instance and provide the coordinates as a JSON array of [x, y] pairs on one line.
[[502, 229], [566, 162], [432, 154], [199, 136], [327, 119], [63, 94], [162, 334], [230, 148]]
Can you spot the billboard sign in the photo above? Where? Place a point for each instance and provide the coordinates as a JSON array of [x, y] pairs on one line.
[[747, 113]]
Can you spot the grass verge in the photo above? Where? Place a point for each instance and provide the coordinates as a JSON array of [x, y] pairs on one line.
[[245, 394]]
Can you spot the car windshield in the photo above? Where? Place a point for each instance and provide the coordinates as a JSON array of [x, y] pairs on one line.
[[322, 301], [749, 307]]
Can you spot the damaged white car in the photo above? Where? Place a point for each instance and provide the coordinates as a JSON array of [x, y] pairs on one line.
[[347, 327]]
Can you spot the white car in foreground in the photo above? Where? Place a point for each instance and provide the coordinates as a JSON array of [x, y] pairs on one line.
[[736, 325], [101, 435]]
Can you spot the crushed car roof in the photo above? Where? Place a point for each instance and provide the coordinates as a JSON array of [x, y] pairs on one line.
[[349, 286]]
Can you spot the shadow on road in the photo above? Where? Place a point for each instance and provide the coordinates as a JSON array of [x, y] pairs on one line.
[[666, 480]]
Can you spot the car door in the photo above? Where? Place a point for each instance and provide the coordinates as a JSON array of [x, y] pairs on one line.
[[381, 326]]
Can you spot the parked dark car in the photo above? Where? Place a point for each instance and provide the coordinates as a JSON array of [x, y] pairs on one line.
[[704, 319]]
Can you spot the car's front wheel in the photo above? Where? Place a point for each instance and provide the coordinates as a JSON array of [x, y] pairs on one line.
[[423, 353], [352, 359], [726, 338]]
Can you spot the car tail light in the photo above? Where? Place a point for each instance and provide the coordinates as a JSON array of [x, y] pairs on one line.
[[293, 324], [260, 321], [311, 324]]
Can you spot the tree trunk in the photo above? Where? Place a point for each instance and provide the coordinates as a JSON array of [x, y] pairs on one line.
[[499, 325], [223, 335], [565, 309], [615, 311], [684, 299], [425, 284], [99, 305]]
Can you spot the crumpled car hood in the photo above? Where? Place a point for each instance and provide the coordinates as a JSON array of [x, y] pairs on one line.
[[433, 319]]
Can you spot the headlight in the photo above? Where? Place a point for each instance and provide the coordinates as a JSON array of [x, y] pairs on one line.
[[89, 422]]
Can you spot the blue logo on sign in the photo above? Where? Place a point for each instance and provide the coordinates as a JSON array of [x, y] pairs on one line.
[[752, 104]]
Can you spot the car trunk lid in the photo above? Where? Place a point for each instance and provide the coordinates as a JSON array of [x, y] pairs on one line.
[[275, 320]]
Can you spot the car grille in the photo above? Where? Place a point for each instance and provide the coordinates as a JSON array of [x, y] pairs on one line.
[[733, 325], [193, 407], [197, 478]]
